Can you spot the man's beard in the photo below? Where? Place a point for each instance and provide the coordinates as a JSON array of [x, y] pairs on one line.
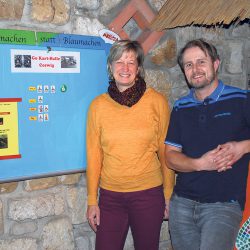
[[202, 84]]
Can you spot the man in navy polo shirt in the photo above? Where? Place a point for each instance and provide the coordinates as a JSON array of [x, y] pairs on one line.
[[208, 145]]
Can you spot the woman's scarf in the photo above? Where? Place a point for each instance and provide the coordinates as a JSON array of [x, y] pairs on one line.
[[130, 96]]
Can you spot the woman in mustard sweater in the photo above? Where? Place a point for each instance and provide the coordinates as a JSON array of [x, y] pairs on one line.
[[126, 129]]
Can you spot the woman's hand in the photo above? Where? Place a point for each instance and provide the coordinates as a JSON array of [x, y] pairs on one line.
[[93, 216], [166, 211]]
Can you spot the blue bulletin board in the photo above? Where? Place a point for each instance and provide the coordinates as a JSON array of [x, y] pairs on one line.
[[47, 83]]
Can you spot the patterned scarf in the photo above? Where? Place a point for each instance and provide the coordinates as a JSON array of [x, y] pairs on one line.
[[130, 96]]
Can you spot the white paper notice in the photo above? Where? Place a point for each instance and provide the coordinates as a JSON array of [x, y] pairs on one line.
[[43, 61]]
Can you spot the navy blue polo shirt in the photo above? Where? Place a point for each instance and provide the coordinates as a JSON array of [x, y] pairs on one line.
[[199, 126]]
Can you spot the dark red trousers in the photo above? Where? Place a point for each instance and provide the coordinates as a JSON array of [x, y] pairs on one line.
[[142, 211]]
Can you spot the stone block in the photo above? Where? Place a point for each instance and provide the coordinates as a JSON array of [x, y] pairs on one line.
[[50, 11], [1, 218], [87, 26], [24, 228], [58, 234], [164, 232], [129, 243], [12, 9], [157, 4], [92, 240], [69, 179], [39, 184], [42, 10], [183, 35], [20, 244], [210, 34], [8, 187], [234, 62], [77, 203], [88, 4], [159, 80], [165, 54], [59, 202], [241, 31], [82, 243], [32, 208], [61, 15], [108, 5]]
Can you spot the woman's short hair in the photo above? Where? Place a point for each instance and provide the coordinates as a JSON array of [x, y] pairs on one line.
[[121, 46], [207, 48]]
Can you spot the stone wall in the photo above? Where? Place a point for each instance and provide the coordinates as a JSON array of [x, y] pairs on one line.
[[49, 213]]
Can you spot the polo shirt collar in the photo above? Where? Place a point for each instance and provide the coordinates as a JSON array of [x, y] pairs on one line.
[[213, 97]]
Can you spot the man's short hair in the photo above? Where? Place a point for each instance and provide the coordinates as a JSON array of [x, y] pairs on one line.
[[206, 47]]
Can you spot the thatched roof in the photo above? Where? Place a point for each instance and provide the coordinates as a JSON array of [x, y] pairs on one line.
[[176, 13]]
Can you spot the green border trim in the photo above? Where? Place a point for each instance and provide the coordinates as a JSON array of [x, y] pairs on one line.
[[23, 37], [50, 40]]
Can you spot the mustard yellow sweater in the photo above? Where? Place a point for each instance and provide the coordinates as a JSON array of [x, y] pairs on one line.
[[125, 146]]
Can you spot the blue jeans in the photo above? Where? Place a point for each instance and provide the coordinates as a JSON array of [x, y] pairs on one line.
[[203, 226]]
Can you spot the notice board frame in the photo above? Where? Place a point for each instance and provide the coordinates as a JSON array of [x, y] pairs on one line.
[[55, 146]]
